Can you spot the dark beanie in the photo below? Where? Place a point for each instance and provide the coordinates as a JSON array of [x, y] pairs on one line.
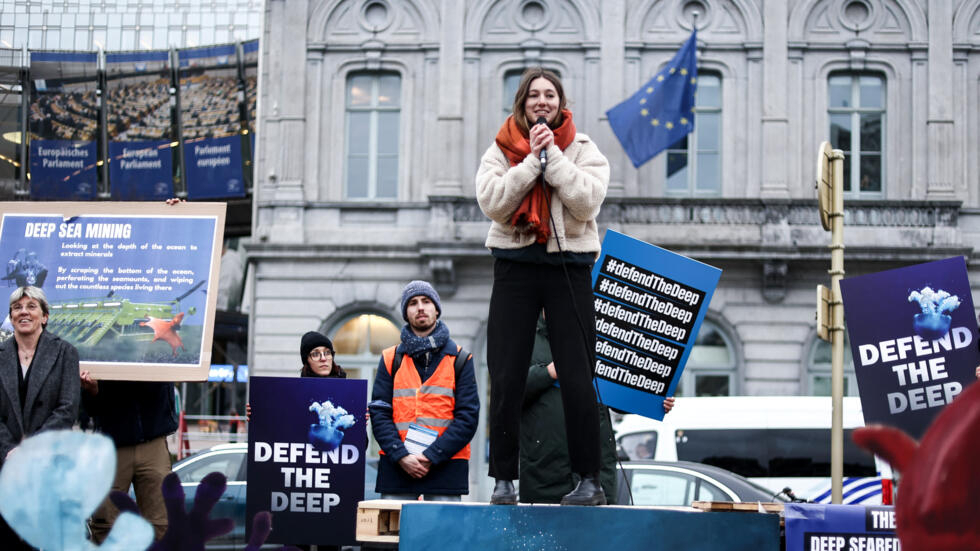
[[310, 341], [417, 288]]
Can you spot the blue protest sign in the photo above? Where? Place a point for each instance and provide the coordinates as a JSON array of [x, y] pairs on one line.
[[306, 442], [913, 340], [649, 305], [813, 527], [63, 169], [140, 171], [214, 167], [135, 293]]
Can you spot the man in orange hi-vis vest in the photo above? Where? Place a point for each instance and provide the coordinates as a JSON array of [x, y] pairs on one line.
[[424, 406]]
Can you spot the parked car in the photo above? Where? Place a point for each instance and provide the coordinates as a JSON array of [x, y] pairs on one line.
[[230, 460], [775, 441], [682, 483]]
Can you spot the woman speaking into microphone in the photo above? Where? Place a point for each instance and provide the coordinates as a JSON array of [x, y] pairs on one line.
[[542, 184]]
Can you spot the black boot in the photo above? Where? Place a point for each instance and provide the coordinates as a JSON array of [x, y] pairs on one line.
[[588, 492], [503, 493]]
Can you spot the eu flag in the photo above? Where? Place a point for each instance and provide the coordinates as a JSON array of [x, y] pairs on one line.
[[662, 111]]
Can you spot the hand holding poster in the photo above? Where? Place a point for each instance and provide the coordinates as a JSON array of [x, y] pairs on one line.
[[132, 286], [913, 340], [306, 444], [649, 305]]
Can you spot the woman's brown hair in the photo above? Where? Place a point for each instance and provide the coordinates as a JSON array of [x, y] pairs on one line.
[[524, 89]]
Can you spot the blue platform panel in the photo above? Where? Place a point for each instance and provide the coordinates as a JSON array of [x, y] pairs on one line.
[[427, 526]]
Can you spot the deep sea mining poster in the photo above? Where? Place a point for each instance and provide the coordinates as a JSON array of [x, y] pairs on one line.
[[913, 340], [133, 286], [306, 442]]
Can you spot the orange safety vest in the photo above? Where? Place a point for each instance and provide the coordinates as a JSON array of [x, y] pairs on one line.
[[430, 404]]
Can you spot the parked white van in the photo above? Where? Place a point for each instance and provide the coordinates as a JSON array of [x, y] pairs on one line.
[[775, 441]]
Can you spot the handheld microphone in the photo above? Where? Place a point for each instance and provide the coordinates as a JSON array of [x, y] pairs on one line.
[[544, 153]]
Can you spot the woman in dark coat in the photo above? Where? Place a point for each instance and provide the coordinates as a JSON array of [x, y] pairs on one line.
[[39, 385]]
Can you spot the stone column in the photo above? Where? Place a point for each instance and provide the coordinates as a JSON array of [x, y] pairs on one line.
[[775, 121], [285, 124], [612, 58], [939, 126], [448, 169]]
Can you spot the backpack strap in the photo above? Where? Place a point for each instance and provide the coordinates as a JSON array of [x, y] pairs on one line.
[[461, 356], [396, 363]]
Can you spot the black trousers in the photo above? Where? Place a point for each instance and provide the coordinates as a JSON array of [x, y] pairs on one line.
[[520, 291]]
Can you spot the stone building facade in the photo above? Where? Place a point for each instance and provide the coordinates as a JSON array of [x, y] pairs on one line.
[[374, 115]]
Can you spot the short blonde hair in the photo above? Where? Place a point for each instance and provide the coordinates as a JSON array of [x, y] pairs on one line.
[[30, 292]]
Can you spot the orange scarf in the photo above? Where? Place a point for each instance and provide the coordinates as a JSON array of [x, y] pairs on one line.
[[530, 217]]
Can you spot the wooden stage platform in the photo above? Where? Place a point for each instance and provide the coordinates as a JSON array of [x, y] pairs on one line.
[[418, 526]]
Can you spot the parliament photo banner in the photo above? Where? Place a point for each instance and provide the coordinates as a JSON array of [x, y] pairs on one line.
[[913, 339], [63, 169], [140, 125], [214, 168], [141, 171], [306, 447], [133, 286], [649, 304], [63, 125], [210, 118]]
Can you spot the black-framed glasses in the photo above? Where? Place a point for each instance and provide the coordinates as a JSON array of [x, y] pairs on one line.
[[320, 354]]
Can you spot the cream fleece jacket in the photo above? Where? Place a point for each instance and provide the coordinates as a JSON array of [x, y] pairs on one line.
[[579, 177]]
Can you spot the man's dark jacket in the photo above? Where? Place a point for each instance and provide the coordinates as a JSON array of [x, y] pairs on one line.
[[446, 476], [132, 412]]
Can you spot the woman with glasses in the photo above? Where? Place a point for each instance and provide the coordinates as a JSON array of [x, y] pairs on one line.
[[317, 353]]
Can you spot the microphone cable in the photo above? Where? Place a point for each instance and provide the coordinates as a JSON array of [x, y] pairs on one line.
[[585, 340]]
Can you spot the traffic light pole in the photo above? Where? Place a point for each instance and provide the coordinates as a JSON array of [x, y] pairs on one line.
[[830, 307], [836, 216]]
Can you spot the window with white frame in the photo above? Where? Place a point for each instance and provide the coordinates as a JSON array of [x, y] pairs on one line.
[[373, 121], [512, 79], [694, 161], [710, 369], [856, 110], [819, 364]]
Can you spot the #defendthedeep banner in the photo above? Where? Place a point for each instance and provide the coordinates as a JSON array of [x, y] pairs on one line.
[[131, 285], [649, 305]]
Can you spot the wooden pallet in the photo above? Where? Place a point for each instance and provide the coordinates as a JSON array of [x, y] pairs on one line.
[[747, 507], [378, 520]]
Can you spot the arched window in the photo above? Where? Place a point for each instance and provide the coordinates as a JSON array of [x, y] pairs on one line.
[[373, 121], [694, 161], [818, 368], [856, 109], [359, 340], [711, 367]]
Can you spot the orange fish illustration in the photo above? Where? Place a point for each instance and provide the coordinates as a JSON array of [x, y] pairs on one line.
[[166, 330]]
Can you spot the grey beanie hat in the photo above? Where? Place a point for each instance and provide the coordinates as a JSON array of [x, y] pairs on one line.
[[416, 288]]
